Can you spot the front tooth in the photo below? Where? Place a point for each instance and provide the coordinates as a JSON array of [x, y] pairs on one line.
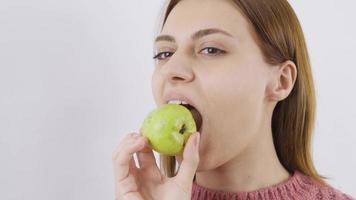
[[183, 102], [174, 102]]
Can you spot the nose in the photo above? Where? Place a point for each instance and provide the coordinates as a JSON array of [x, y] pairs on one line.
[[178, 69]]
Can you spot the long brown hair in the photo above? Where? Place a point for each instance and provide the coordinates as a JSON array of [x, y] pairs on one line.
[[277, 31]]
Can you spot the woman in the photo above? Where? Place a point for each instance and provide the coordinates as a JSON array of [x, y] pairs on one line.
[[244, 65]]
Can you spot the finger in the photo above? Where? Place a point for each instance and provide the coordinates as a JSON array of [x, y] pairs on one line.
[[128, 189], [129, 138], [126, 185], [145, 156], [179, 158], [190, 160], [132, 167], [147, 160], [123, 159]]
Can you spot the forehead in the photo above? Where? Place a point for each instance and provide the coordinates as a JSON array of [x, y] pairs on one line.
[[189, 16]]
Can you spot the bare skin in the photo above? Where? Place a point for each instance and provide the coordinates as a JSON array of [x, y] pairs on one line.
[[146, 182], [235, 90]]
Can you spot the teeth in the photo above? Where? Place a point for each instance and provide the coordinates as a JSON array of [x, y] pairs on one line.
[[177, 102], [174, 102]]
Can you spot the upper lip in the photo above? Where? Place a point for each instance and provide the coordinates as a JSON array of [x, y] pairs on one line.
[[177, 96]]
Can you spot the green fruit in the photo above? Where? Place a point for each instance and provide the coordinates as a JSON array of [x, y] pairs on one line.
[[168, 128]]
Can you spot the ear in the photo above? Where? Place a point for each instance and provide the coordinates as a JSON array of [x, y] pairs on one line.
[[282, 81]]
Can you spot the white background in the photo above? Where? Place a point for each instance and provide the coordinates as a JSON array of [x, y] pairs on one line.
[[75, 77]]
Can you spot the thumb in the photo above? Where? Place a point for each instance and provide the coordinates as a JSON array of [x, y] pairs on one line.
[[190, 160]]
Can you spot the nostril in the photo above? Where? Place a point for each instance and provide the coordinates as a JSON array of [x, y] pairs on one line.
[[177, 78]]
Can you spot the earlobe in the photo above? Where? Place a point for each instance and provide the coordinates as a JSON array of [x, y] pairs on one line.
[[282, 81]]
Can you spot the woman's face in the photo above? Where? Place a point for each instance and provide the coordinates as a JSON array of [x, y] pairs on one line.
[[221, 71]]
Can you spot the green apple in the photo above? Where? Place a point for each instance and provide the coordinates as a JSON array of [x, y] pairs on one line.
[[168, 128]]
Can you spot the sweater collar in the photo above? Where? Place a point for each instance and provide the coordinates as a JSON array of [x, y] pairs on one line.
[[297, 186]]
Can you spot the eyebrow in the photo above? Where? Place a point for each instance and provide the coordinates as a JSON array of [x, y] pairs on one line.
[[195, 36]]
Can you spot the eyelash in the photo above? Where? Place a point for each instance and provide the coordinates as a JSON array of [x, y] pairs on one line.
[[158, 56]]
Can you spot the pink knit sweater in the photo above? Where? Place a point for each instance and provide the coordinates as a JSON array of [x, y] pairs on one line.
[[297, 187]]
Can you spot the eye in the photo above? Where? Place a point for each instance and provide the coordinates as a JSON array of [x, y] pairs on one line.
[[163, 55], [212, 51]]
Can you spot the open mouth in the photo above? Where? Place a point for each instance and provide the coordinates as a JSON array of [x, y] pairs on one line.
[[196, 115]]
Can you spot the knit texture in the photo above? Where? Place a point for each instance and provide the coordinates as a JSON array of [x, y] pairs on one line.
[[297, 187]]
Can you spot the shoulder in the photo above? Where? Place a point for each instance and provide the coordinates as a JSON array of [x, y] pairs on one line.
[[331, 193], [317, 191]]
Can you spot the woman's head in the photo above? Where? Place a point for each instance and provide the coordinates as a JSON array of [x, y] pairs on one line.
[[245, 66]]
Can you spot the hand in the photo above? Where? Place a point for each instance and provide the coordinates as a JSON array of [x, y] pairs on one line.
[[146, 182]]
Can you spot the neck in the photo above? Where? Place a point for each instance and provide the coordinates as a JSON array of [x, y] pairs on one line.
[[256, 167]]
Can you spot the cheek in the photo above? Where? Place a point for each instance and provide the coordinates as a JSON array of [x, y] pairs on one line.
[[235, 96], [156, 86], [234, 110]]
